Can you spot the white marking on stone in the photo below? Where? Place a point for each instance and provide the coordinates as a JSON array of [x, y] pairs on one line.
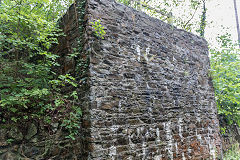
[[199, 137], [183, 156], [147, 86], [169, 139], [198, 117], [176, 146], [144, 150], [211, 144], [158, 135], [180, 127], [138, 52], [147, 53], [119, 106], [114, 128], [138, 132], [113, 152], [189, 150], [158, 157], [132, 145]]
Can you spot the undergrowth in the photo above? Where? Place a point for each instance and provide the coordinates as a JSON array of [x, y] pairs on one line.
[[233, 153], [30, 88]]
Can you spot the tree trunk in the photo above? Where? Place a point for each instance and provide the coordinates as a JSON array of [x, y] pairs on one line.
[[237, 22]]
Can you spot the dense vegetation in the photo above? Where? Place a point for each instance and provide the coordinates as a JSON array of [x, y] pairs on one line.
[[29, 88], [225, 64]]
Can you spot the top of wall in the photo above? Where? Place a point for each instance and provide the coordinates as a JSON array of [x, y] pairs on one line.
[[141, 20]]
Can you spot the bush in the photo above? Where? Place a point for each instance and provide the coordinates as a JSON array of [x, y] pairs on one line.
[[29, 88]]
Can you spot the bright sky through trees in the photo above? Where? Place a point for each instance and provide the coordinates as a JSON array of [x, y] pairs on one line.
[[220, 17], [221, 14]]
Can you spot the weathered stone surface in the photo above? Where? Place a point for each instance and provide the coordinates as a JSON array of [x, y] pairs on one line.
[[150, 94], [15, 134], [9, 156], [32, 131], [144, 88]]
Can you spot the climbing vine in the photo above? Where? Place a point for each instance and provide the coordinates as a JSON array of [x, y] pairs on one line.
[[203, 20], [98, 29]]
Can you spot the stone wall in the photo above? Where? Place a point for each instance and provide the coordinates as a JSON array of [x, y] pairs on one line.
[[145, 91], [150, 93]]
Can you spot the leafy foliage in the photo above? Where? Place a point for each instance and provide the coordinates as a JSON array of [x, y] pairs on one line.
[[29, 88], [125, 2], [225, 64], [98, 28]]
